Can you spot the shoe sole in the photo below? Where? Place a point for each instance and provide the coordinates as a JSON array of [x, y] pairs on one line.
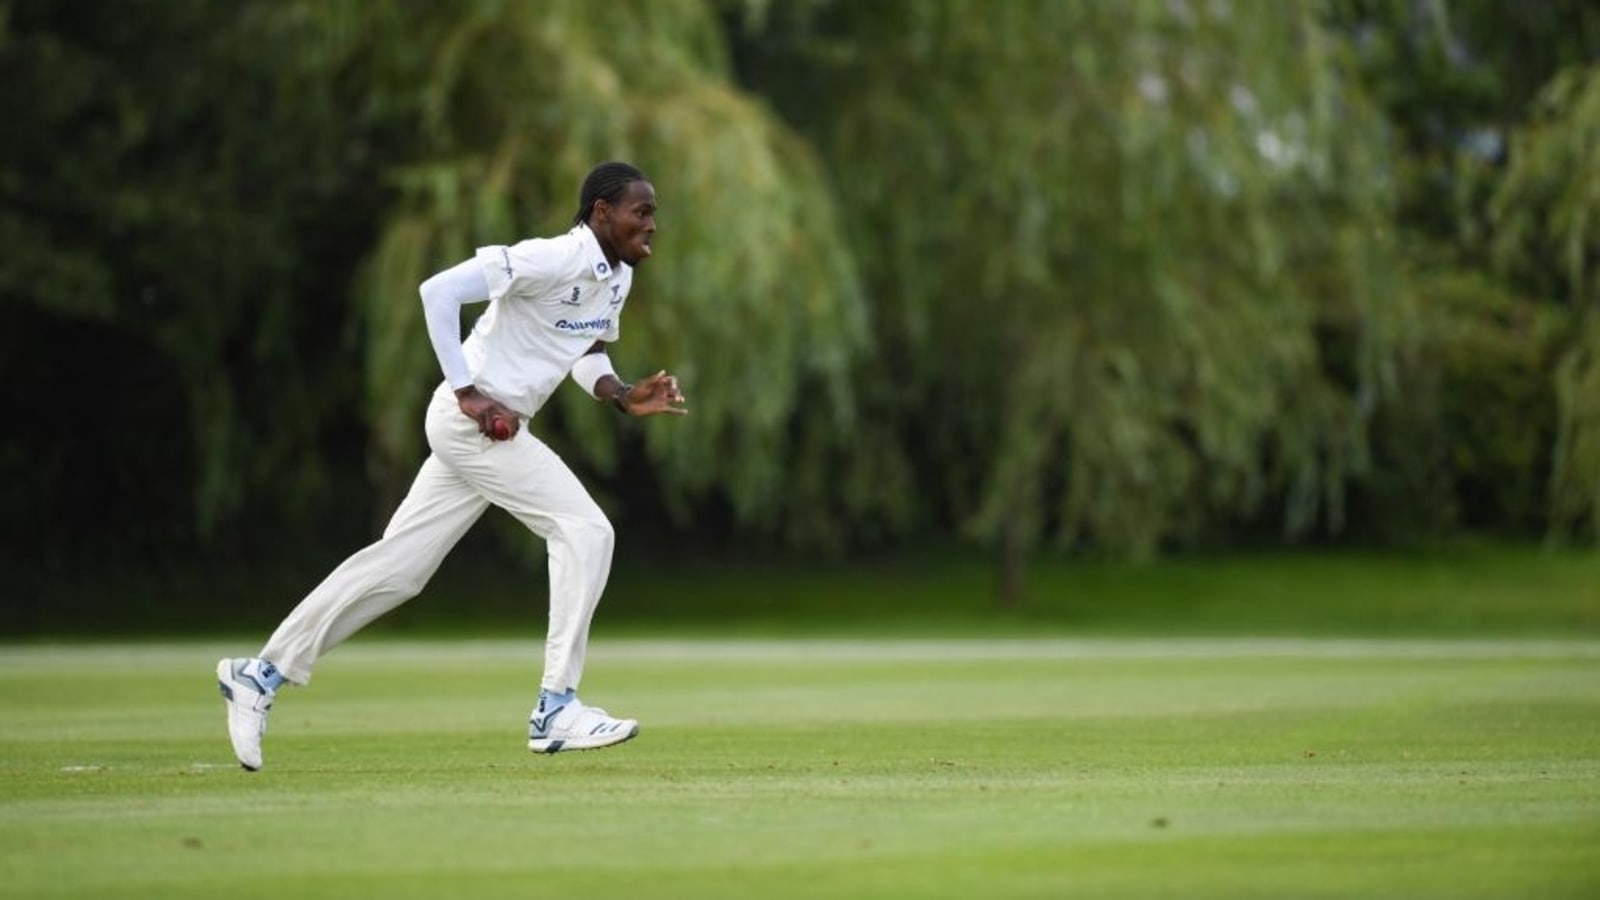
[[547, 746]]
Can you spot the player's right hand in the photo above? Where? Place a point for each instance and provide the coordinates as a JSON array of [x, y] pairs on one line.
[[495, 421]]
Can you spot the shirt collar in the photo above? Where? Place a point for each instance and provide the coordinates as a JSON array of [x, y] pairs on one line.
[[591, 248]]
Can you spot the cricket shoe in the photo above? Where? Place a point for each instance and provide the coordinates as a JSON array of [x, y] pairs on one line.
[[573, 726], [244, 689]]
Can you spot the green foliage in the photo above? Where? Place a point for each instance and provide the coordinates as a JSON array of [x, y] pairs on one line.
[[1465, 444], [752, 299], [160, 172], [1575, 487], [1128, 258], [1548, 207], [1452, 79], [1547, 214], [1114, 276], [1461, 81]]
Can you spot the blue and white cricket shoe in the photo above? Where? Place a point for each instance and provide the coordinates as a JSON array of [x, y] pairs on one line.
[[244, 684], [573, 726]]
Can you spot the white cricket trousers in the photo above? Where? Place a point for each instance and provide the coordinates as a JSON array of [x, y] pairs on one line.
[[465, 473]]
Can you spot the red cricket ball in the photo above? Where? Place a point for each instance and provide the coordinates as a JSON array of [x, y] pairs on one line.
[[503, 428]]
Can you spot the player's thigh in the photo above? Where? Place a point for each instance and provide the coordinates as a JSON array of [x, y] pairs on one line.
[[440, 505], [522, 476], [533, 483]]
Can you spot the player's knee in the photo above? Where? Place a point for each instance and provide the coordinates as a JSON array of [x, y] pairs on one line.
[[601, 533], [406, 585], [592, 533]]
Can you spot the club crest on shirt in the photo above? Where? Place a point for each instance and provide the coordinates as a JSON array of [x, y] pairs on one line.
[[572, 300], [616, 294]]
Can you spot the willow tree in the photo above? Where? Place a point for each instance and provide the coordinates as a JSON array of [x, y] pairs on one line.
[[157, 180], [1130, 259], [1547, 218], [751, 300]]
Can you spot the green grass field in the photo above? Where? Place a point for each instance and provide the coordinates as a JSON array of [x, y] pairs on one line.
[[1050, 768], [1463, 591]]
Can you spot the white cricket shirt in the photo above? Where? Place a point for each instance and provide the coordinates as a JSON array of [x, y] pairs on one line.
[[550, 299]]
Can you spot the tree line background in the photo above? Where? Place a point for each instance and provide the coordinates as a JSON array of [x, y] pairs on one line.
[[1031, 276]]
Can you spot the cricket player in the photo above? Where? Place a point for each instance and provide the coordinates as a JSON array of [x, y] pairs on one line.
[[554, 305]]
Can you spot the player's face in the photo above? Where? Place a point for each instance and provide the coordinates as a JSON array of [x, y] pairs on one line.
[[627, 225]]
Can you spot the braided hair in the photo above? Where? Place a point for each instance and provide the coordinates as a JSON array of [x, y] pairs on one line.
[[607, 181]]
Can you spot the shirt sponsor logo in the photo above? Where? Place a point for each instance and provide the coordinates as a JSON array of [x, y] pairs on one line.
[[584, 325]]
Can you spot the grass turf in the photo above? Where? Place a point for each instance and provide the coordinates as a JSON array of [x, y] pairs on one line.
[[1186, 768], [1464, 591]]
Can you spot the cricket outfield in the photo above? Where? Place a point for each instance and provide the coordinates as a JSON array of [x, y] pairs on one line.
[[774, 768]]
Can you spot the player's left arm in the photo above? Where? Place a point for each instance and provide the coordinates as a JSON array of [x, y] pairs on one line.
[[650, 395]]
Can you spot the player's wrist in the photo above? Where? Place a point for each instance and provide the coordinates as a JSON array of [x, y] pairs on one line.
[[619, 397]]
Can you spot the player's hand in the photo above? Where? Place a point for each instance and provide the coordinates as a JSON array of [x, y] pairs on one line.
[[658, 393], [495, 421]]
